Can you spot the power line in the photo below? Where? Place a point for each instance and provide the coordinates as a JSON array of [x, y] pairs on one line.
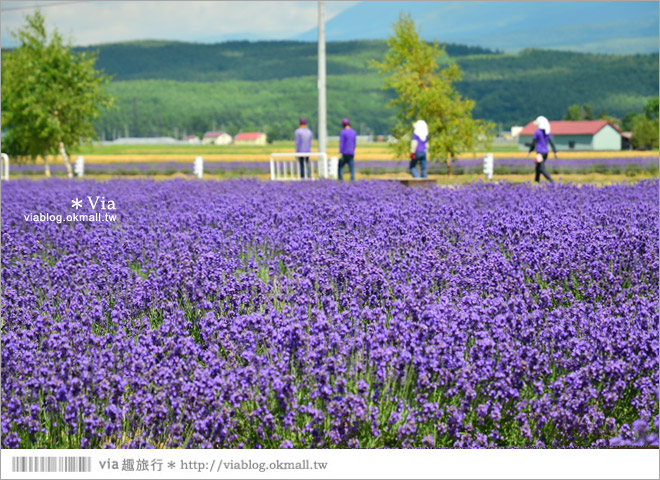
[[43, 5]]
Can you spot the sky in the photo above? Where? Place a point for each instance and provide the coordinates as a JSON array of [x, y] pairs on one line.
[[94, 22], [591, 26]]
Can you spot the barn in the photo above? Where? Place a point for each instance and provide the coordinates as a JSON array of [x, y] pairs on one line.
[[250, 138], [216, 138], [582, 135]]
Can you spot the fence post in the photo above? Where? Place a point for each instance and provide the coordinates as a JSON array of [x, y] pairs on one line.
[[489, 165], [323, 165], [4, 173], [333, 168], [198, 167], [79, 168]]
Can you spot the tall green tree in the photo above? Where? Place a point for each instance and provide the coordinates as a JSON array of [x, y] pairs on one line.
[[573, 113], [587, 112], [425, 91], [652, 108], [645, 127], [50, 94], [644, 133], [576, 113]]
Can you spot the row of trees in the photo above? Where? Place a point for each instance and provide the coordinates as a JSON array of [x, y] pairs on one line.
[[505, 88], [643, 126], [158, 107]]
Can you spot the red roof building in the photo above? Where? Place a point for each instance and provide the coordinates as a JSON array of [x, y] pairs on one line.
[[564, 127], [192, 139], [250, 138], [216, 138], [581, 135], [214, 134]]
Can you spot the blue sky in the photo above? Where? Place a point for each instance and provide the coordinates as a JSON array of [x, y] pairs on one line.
[[93, 22], [590, 26]]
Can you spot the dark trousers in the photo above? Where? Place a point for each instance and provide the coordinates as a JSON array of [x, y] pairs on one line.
[[304, 166], [540, 169], [346, 159], [420, 157]]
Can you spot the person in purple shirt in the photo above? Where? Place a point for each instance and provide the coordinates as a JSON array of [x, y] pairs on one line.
[[418, 149], [303, 136], [540, 141], [347, 148]]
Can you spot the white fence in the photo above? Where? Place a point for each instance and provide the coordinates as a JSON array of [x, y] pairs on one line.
[[79, 168], [489, 165], [4, 170], [286, 166], [198, 167]]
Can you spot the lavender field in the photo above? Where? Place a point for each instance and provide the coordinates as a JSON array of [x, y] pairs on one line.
[[267, 315]]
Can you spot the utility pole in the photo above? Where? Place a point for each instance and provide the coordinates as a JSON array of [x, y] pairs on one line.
[[135, 118], [323, 129]]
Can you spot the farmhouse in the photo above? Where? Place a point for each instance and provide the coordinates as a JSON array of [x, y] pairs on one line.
[[216, 138], [192, 139], [582, 135], [250, 138]]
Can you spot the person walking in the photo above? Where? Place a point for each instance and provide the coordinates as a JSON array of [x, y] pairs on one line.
[[347, 139], [303, 137], [540, 141], [418, 149]]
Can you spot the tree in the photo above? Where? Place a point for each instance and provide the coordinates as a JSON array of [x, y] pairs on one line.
[[628, 121], [644, 133], [645, 127], [424, 91], [651, 109], [573, 113], [50, 94]]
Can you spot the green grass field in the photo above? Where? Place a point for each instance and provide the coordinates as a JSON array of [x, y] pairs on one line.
[[277, 146]]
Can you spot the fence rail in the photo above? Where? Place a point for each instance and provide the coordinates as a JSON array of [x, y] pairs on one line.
[[285, 166]]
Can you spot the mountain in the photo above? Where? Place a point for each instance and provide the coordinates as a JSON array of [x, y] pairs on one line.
[[163, 87], [593, 26], [241, 60]]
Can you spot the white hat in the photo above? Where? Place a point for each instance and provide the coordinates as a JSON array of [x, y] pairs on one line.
[[421, 130], [543, 123]]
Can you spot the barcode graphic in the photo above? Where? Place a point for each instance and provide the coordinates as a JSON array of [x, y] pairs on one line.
[[51, 464]]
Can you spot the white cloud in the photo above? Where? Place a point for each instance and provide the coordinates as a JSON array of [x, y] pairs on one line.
[[95, 22]]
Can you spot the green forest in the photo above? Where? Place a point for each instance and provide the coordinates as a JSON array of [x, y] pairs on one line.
[[176, 88]]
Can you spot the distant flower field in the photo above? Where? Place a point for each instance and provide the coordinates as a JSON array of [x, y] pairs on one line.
[[267, 315]]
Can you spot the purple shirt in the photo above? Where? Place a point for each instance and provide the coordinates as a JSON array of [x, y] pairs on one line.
[[421, 145], [541, 140], [303, 140], [347, 141]]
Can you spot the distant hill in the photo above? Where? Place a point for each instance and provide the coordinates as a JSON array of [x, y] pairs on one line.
[[595, 27], [163, 86], [241, 60]]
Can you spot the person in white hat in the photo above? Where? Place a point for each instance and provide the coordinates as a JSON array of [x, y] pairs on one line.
[[418, 147], [540, 141]]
